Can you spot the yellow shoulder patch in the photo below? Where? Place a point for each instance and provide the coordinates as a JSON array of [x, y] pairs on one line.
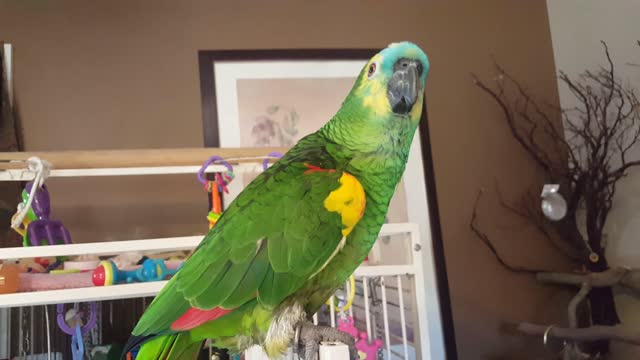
[[348, 200]]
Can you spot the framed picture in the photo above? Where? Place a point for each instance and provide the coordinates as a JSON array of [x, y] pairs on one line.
[[253, 98]]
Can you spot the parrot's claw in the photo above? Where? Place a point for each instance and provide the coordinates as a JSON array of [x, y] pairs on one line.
[[309, 336]]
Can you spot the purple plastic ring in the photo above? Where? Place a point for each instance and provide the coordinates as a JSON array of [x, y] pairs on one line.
[[265, 163], [91, 323], [210, 161]]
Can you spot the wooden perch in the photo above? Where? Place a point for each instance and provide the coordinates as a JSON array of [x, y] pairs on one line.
[[629, 278], [625, 277], [617, 333], [602, 279], [135, 158], [573, 304]]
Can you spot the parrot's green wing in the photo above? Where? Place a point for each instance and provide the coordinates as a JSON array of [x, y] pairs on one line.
[[281, 230]]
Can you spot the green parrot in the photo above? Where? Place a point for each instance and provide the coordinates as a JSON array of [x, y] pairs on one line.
[[296, 233]]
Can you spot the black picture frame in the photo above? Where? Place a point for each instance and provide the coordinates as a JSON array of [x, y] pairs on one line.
[[206, 61]]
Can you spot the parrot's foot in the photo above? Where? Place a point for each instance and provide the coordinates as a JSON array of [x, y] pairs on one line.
[[308, 338]]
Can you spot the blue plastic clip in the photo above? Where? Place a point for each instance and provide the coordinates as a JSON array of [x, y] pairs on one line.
[[77, 344]]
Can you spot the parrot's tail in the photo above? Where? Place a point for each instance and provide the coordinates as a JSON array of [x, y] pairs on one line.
[[164, 347]]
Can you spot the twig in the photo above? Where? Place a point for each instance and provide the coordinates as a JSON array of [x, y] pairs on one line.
[[618, 173], [592, 333], [485, 239], [539, 156]]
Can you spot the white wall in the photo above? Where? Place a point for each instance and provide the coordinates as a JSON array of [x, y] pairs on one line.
[[577, 26]]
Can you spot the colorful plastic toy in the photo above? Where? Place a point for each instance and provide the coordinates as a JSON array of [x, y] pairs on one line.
[[347, 324], [348, 301], [71, 323], [368, 351], [37, 228], [265, 162], [77, 345], [151, 270], [365, 349], [214, 188], [9, 278]]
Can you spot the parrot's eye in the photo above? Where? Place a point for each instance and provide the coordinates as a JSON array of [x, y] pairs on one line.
[[372, 70]]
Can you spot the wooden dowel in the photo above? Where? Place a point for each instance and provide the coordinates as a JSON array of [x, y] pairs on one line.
[[92, 159]]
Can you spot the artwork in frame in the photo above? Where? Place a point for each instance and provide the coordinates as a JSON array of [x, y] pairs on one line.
[[266, 98]]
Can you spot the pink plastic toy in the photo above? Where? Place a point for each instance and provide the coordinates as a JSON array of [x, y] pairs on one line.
[[365, 350], [368, 351], [346, 324]]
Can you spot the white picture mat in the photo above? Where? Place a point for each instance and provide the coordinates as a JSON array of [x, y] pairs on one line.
[[226, 76]]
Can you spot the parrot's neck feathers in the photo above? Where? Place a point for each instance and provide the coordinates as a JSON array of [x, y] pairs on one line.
[[368, 128], [385, 141]]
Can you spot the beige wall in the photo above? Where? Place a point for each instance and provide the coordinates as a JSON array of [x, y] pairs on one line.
[[123, 74]]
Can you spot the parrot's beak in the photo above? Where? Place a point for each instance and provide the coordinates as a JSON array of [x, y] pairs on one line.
[[404, 86]]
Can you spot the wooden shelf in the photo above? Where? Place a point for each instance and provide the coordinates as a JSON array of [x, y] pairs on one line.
[[13, 166], [22, 175], [96, 159]]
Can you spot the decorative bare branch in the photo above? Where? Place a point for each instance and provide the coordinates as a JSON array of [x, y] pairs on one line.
[[586, 148], [524, 136]]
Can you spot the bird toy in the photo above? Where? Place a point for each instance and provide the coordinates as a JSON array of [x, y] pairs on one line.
[[349, 301], [107, 273], [214, 190], [36, 227], [265, 162], [366, 349], [216, 187], [71, 324]]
